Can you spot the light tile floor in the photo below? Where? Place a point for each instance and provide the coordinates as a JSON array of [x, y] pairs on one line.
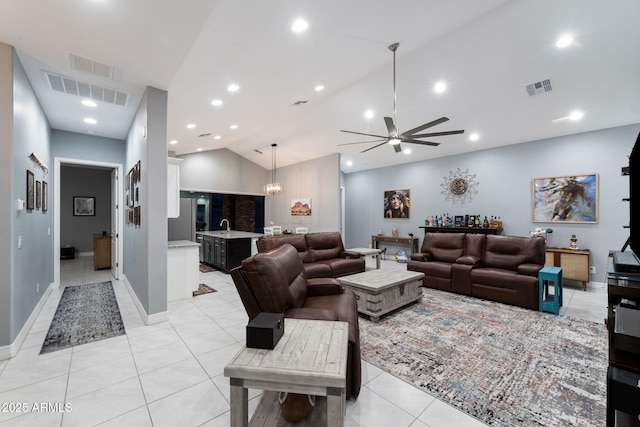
[[171, 374]]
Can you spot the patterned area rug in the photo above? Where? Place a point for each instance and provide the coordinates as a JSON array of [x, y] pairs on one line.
[[85, 314], [504, 365], [204, 268], [203, 289]]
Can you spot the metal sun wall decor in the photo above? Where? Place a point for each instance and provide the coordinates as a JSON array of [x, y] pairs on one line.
[[459, 187]]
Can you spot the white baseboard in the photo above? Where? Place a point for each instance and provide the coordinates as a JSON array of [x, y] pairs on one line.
[[148, 319], [9, 351]]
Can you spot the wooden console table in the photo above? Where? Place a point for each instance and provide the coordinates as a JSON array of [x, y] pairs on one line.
[[101, 251], [476, 230], [574, 263], [411, 241]]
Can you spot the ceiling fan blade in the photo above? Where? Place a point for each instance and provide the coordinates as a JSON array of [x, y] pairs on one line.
[[415, 141], [425, 126], [391, 127], [365, 134], [363, 142], [427, 135], [375, 146]]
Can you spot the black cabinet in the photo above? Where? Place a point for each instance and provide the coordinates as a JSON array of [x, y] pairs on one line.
[[225, 254]]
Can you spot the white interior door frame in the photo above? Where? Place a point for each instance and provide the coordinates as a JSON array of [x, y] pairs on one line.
[[58, 162]]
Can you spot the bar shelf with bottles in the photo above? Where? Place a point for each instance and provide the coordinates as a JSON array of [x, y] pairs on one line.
[[446, 223]]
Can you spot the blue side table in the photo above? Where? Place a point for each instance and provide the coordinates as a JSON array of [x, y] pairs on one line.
[[550, 302]]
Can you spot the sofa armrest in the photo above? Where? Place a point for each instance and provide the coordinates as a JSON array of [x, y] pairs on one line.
[[420, 256], [349, 255], [311, 314], [529, 269], [469, 260], [323, 286]]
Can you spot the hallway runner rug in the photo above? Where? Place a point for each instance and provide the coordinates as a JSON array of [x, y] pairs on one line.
[[504, 365], [85, 313]]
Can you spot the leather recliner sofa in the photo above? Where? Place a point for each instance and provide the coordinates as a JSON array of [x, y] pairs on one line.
[[322, 254], [497, 268], [275, 282]]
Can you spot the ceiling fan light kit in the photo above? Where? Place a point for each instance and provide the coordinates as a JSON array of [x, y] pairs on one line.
[[394, 137]]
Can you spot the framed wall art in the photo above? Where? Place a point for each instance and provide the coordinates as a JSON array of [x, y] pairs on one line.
[[569, 199], [38, 194], [45, 196], [301, 207], [84, 206], [31, 191], [397, 204]]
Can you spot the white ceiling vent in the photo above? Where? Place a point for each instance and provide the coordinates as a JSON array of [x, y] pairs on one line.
[[71, 86], [93, 67], [539, 87]]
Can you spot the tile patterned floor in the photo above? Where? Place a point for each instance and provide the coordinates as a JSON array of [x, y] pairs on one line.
[[171, 374]]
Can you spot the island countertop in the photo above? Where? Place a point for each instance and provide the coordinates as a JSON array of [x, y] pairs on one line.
[[181, 244], [233, 234]]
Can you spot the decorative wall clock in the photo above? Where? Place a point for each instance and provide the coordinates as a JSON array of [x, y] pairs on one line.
[[459, 186]]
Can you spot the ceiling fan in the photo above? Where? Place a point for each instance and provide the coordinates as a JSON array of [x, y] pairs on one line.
[[394, 138]]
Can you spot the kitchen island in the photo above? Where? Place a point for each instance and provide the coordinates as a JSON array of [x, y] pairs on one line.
[[225, 250]]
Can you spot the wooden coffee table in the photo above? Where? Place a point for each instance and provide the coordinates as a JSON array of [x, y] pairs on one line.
[[364, 252], [380, 291], [310, 358]]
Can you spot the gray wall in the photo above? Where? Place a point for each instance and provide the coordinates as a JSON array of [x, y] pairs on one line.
[[77, 146], [145, 247], [25, 131], [209, 172], [78, 231], [505, 177]]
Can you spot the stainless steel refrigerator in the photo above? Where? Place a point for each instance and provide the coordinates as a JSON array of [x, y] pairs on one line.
[[184, 227]]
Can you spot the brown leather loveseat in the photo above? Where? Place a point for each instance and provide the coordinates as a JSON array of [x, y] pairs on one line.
[[275, 282], [322, 254], [497, 268]]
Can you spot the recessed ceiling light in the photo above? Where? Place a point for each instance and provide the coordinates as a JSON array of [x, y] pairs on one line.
[[216, 102], [319, 88], [369, 114], [564, 40], [407, 151], [198, 149], [191, 125], [217, 137], [349, 163], [299, 25], [173, 142], [440, 87], [576, 115], [90, 121], [234, 126], [233, 87], [89, 103], [474, 137]]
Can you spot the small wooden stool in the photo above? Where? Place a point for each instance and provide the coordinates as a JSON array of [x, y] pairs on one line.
[[548, 302]]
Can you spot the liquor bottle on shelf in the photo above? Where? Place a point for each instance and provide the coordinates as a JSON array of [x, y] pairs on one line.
[[485, 223], [477, 224], [499, 222]]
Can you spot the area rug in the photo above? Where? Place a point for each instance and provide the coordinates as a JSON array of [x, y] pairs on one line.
[[204, 268], [203, 289], [85, 314], [503, 365]]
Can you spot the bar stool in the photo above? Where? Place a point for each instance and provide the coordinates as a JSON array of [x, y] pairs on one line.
[[548, 302]]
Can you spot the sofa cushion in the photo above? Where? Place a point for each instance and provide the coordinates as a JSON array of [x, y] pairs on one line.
[[343, 267], [317, 270], [277, 279], [269, 243], [505, 252], [326, 245], [445, 247]]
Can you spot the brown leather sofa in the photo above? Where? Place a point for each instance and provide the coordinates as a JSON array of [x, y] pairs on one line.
[[496, 268], [322, 254], [275, 282]]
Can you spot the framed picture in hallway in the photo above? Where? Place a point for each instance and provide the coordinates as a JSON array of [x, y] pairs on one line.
[[45, 196], [84, 206], [568, 199], [31, 191]]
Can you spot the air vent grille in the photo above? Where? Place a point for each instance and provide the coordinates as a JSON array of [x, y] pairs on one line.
[[71, 86], [92, 67], [539, 87]]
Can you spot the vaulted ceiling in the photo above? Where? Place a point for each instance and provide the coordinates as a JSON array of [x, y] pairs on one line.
[[487, 52]]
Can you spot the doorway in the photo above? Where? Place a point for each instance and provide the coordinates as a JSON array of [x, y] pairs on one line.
[[116, 214]]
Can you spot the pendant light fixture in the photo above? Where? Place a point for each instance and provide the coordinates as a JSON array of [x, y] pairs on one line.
[[273, 188]]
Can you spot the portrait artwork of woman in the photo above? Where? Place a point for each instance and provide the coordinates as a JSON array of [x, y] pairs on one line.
[[396, 204]]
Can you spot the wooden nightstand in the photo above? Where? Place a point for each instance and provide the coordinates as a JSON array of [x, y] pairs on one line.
[[101, 251]]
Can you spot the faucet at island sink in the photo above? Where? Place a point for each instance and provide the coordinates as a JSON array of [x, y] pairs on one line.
[[228, 225]]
